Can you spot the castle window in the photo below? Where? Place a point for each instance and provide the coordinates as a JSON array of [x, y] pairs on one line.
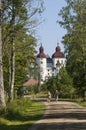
[[41, 62], [62, 61], [41, 79]]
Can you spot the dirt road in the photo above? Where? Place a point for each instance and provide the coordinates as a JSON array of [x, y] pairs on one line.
[[62, 116]]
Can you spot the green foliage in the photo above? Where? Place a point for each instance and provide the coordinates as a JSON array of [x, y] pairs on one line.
[[20, 17], [35, 89], [17, 109], [82, 103], [51, 85], [66, 85], [62, 82], [24, 54], [21, 114], [27, 90], [73, 20]]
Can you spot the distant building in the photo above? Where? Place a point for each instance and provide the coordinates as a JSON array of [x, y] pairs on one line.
[[50, 66]]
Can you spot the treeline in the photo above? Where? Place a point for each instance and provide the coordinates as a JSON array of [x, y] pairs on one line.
[[18, 20], [71, 81], [74, 21]]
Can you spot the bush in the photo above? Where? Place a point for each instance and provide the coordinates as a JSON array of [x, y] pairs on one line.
[[17, 108]]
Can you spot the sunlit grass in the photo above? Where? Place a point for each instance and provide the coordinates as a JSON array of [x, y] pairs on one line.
[[21, 114], [41, 94], [82, 103]]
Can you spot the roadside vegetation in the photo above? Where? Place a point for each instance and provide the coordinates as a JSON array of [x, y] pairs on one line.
[[82, 103], [17, 54], [21, 114]]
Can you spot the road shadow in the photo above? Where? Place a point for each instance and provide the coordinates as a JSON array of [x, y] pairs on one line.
[[60, 126], [62, 116]]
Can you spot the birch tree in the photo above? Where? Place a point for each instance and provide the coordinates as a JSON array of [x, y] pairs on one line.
[[19, 16], [2, 96]]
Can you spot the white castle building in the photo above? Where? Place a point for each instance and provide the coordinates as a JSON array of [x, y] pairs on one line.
[[50, 66]]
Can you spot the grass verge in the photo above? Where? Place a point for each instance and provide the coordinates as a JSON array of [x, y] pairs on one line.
[[82, 103], [21, 114]]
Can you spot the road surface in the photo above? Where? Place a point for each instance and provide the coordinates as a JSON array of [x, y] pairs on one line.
[[62, 115]]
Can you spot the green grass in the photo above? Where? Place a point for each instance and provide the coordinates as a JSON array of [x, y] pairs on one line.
[[82, 103], [21, 114], [42, 94]]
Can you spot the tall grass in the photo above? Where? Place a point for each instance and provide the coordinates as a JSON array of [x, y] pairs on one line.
[[21, 114]]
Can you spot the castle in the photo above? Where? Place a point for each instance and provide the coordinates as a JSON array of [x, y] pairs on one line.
[[50, 66]]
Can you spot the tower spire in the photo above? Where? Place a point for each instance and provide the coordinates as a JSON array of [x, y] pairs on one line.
[[57, 44], [41, 44], [57, 41]]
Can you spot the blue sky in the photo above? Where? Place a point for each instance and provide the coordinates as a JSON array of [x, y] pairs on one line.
[[49, 32]]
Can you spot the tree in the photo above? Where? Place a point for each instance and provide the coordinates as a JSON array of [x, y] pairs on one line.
[[61, 82], [65, 83], [51, 84], [23, 59], [19, 20], [2, 96], [74, 21]]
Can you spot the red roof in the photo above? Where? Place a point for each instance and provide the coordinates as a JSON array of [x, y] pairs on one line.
[[58, 53], [31, 81], [41, 53]]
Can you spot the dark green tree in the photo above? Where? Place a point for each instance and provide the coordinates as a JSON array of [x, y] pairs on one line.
[[62, 82], [65, 84], [73, 20]]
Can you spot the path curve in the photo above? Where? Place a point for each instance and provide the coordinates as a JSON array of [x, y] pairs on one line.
[[62, 115]]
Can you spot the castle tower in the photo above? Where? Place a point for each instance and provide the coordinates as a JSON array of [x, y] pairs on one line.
[[42, 63], [58, 58], [50, 66]]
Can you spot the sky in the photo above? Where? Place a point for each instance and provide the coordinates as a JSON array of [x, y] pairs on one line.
[[49, 32]]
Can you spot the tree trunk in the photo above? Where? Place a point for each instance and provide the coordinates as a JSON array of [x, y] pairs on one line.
[[12, 59], [11, 73], [2, 96]]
